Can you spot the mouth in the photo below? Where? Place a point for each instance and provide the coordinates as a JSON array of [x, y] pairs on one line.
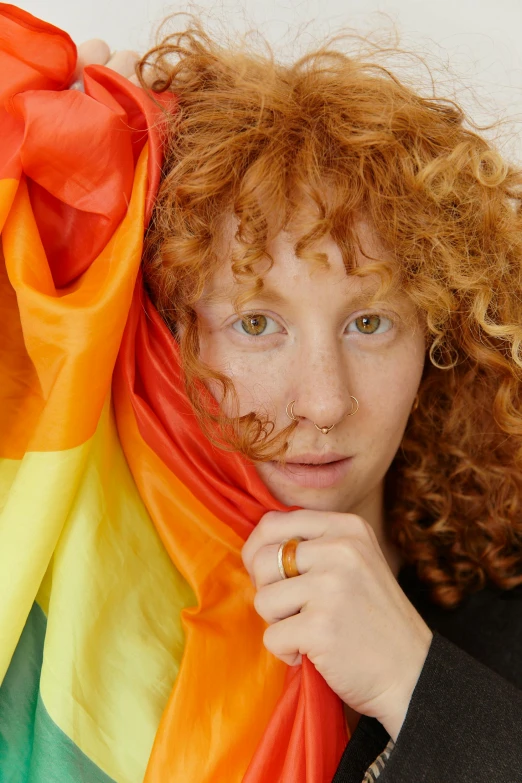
[[309, 458], [314, 471]]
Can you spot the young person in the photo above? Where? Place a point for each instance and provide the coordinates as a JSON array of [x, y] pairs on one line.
[[313, 366]]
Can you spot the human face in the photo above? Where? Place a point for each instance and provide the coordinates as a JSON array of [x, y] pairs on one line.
[[317, 339]]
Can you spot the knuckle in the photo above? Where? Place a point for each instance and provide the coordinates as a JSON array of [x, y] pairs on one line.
[[123, 62], [357, 525], [330, 582], [268, 522], [256, 564], [322, 625], [96, 50], [260, 603], [349, 555], [272, 528], [131, 58], [247, 556], [269, 640]]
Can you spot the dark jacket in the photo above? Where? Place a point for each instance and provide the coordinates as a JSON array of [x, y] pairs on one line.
[[464, 721]]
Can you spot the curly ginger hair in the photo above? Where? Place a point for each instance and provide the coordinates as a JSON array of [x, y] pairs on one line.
[[260, 139]]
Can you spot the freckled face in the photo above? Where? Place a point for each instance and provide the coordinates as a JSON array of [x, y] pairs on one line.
[[315, 337]]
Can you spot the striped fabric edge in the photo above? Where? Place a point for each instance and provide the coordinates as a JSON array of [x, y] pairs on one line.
[[374, 770]]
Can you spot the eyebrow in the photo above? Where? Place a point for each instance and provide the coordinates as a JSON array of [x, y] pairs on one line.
[[270, 296], [267, 295]]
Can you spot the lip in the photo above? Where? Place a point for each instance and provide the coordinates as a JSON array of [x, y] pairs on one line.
[[316, 459], [321, 472]]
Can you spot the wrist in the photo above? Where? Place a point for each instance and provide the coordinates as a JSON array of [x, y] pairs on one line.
[[399, 699], [393, 723]]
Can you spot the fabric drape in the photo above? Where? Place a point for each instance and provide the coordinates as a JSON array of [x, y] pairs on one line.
[[130, 648]]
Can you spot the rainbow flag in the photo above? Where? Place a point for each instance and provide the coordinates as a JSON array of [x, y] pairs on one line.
[[129, 647]]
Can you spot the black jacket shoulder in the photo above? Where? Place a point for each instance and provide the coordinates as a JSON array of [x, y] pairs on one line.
[[464, 721]]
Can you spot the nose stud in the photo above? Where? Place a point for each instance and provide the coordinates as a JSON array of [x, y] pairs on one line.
[[324, 430]]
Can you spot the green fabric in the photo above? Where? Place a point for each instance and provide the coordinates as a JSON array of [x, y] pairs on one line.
[[32, 747], [19, 699]]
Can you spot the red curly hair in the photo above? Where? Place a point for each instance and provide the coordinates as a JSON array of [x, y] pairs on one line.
[[260, 139]]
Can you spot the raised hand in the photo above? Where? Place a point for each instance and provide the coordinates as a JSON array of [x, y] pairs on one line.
[[345, 611], [97, 52]]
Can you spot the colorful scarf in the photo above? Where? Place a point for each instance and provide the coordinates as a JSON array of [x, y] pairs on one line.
[[129, 646]]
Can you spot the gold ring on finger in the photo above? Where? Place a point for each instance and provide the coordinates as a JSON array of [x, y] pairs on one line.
[[286, 557]]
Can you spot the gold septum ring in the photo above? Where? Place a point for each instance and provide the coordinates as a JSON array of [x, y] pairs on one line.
[[324, 430]]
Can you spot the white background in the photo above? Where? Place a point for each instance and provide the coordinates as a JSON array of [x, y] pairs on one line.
[[479, 41]]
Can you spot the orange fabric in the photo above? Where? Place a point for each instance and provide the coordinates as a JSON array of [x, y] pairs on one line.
[[20, 394], [235, 711], [228, 684], [78, 154], [225, 671], [74, 390]]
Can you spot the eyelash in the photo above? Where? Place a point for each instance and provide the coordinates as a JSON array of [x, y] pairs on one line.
[[383, 318]]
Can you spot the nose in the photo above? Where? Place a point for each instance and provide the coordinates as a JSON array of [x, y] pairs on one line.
[[321, 385]]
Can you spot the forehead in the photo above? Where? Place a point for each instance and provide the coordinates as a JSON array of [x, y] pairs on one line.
[[281, 272]]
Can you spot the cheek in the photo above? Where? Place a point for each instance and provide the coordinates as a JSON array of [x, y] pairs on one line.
[[391, 392], [259, 384]]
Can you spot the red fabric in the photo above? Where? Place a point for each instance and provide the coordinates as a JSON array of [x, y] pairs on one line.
[[37, 112], [225, 482], [307, 735]]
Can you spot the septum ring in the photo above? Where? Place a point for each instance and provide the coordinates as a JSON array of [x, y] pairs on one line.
[[324, 430]]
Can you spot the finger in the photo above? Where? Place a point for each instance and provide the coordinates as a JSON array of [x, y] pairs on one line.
[[93, 52], [277, 526], [265, 564], [319, 555], [149, 75], [282, 639], [264, 568], [280, 600], [124, 63]]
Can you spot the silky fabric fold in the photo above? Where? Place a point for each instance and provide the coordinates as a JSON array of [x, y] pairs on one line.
[[70, 165], [90, 626], [306, 734]]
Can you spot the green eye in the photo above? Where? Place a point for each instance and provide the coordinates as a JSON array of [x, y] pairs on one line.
[[254, 324], [370, 324]]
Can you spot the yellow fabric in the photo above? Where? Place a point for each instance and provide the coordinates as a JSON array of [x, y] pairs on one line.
[[74, 532], [38, 492], [70, 341], [229, 683], [114, 639]]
